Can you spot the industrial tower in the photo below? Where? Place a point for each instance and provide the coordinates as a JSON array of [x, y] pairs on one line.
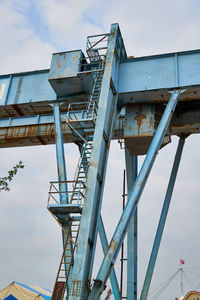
[[90, 99]]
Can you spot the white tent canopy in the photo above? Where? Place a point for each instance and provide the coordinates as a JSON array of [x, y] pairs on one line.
[[20, 291]]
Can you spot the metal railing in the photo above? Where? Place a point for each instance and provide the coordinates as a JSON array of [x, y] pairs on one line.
[[97, 43], [96, 48], [75, 192], [88, 66], [80, 111]]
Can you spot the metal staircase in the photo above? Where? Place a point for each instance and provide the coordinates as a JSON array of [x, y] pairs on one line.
[[66, 262], [80, 118], [75, 202]]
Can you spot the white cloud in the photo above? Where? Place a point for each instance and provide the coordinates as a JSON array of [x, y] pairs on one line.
[[67, 23], [21, 49]]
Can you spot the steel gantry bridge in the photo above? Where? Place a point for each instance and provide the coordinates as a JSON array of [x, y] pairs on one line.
[[90, 99]]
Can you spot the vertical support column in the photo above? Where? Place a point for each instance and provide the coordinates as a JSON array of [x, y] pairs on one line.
[[104, 243], [133, 200], [182, 291], [62, 176], [132, 236], [162, 221], [107, 110], [60, 155]]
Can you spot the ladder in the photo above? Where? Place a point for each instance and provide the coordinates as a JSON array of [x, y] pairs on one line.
[[76, 198], [66, 262], [79, 182], [76, 195], [79, 125]]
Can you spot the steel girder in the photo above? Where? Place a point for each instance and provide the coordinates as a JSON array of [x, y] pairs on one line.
[[132, 235], [107, 111]]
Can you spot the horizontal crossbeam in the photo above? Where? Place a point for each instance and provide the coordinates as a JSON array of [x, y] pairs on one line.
[[141, 79], [39, 129]]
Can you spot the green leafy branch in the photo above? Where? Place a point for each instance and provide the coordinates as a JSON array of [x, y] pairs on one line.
[[4, 181]]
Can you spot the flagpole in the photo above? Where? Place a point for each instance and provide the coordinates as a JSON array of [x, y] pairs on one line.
[[182, 262], [181, 271]]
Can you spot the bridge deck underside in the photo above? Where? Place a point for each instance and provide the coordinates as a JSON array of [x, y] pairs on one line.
[[39, 130]]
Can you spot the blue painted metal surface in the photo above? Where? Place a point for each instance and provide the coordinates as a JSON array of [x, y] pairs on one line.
[[162, 220], [151, 74], [60, 155], [132, 236], [62, 178], [96, 173], [133, 199], [139, 127], [141, 79], [113, 277], [63, 75], [26, 88]]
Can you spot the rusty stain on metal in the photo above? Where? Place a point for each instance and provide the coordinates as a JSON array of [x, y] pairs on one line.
[[92, 163], [58, 63], [74, 58], [151, 122], [146, 133], [139, 118], [32, 135], [112, 246], [140, 184]]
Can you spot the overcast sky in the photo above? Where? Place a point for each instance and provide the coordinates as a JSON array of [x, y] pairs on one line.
[[30, 31]]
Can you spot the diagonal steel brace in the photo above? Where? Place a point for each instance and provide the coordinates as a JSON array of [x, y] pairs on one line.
[[162, 220], [133, 200]]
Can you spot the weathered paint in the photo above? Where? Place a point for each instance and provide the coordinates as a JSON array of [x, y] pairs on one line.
[[2, 90], [62, 178], [149, 78], [133, 200], [63, 75], [141, 80], [96, 177], [132, 235], [26, 131], [139, 127]]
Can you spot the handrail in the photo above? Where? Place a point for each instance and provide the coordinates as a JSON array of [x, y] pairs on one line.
[[53, 191]]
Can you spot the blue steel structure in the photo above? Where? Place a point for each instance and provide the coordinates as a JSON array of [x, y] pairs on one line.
[[162, 220], [132, 238], [90, 99]]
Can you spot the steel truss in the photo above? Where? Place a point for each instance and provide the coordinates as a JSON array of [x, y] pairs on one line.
[[86, 106]]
